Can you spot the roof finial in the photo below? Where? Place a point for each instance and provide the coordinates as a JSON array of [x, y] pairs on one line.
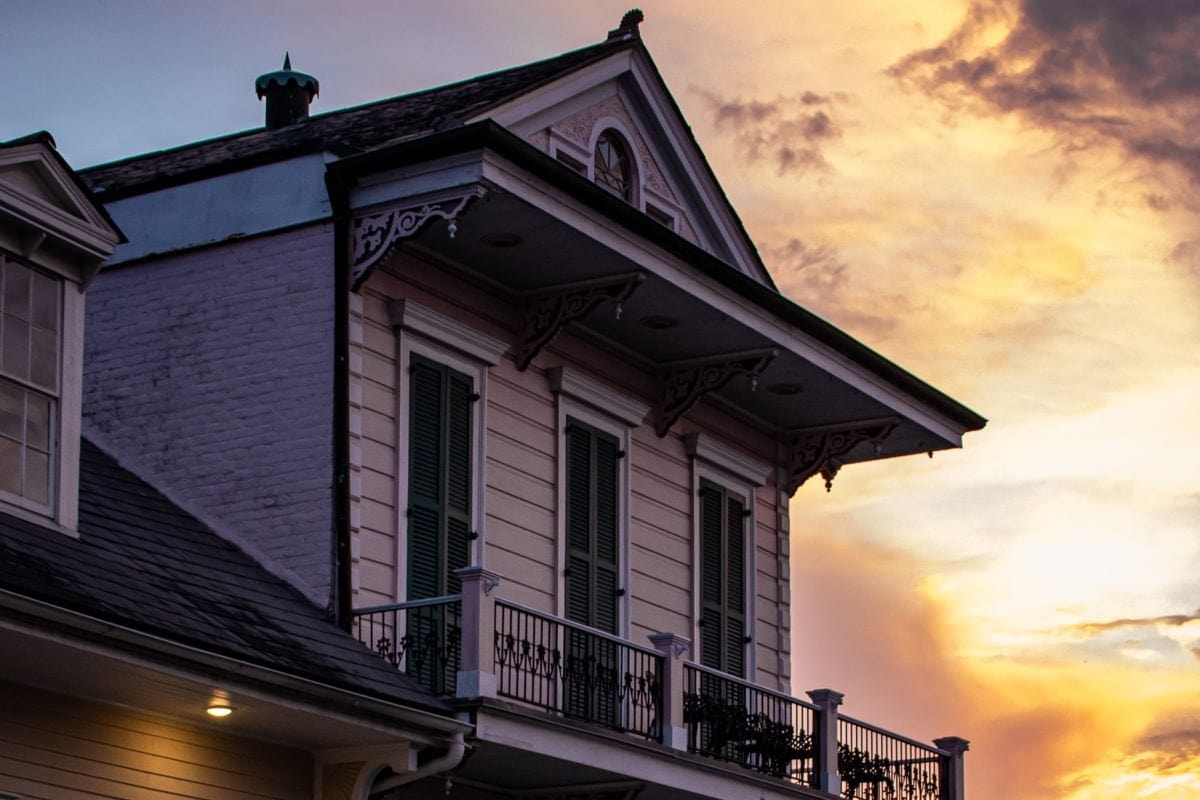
[[629, 25], [287, 60]]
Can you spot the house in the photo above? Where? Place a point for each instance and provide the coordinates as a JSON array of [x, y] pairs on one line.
[[491, 379]]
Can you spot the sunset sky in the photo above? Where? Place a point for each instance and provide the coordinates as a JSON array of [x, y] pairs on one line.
[[1001, 196]]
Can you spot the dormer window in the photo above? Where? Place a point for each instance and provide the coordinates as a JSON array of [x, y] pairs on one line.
[[613, 168], [29, 382]]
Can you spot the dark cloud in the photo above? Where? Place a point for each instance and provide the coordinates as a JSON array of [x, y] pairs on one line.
[[1092, 628], [1125, 71], [787, 131]]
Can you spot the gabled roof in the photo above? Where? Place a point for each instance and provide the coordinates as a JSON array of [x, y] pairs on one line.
[[344, 132], [143, 563]]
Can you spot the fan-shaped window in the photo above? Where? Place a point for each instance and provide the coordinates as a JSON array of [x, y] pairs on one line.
[[613, 166]]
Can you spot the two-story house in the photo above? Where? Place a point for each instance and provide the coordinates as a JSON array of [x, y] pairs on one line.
[[493, 374]]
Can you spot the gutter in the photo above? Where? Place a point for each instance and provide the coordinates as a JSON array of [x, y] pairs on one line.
[[189, 662], [443, 763]]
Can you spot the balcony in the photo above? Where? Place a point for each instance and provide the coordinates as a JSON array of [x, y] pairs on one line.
[[475, 645]]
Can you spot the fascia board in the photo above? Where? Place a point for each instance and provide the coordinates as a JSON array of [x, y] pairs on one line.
[[415, 180], [671, 124], [555, 202], [552, 94]]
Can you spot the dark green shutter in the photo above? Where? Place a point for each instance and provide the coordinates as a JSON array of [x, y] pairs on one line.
[[722, 581], [592, 527], [439, 478]]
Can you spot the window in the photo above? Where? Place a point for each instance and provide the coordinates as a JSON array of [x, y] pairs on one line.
[[30, 343], [613, 168], [443, 367], [439, 478], [593, 526], [723, 637]]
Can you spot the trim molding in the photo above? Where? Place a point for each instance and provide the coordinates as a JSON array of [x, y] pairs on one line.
[[710, 450], [411, 316], [576, 385]]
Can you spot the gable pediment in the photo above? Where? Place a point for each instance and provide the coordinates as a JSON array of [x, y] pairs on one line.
[[47, 216], [672, 183]]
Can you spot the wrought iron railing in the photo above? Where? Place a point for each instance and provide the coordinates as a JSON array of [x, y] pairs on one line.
[[734, 720], [576, 671], [878, 765], [422, 638]]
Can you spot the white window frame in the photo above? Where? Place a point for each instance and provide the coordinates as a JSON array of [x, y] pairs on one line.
[[740, 474], [435, 336], [617, 414], [635, 157], [62, 509]]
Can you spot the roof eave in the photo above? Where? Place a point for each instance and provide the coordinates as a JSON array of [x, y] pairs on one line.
[[488, 135]]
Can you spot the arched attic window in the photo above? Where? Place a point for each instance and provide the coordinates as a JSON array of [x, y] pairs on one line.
[[613, 166]]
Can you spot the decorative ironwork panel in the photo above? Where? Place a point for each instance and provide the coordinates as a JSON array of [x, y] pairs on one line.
[[546, 311], [734, 720], [818, 449], [685, 382], [421, 638], [577, 672], [877, 765], [373, 234]]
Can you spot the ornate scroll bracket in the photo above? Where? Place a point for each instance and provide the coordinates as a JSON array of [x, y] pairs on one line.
[[819, 449], [372, 235], [546, 311], [685, 382]]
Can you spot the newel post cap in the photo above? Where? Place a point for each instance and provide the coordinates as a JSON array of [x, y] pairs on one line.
[[955, 745], [826, 697], [671, 643]]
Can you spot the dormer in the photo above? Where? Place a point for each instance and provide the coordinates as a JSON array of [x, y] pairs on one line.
[[53, 238]]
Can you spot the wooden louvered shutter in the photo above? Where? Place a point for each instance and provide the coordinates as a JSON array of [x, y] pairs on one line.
[[425, 469], [459, 396], [439, 478], [593, 527], [722, 581]]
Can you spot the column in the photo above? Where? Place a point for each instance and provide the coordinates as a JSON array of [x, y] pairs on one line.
[[825, 738], [477, 663], [673, 647], [953, 772]]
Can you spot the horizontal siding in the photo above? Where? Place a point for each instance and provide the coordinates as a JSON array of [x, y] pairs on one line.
[[55, 747], [520, 533]]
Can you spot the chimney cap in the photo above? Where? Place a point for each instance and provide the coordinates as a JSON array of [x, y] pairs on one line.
[[283, 77]]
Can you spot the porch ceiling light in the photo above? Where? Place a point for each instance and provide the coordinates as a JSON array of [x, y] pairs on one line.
[[657, 322], [503, 241], [219, 706], [785, 389]]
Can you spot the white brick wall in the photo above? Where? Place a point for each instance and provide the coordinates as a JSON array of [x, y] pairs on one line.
[[214, 370]]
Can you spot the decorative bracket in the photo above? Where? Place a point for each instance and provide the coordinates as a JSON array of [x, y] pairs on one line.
[[819, 449], [372, 235], [546, 311], [685, 382]]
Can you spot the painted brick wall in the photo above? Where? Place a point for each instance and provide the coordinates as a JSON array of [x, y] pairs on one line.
[[212, 371]]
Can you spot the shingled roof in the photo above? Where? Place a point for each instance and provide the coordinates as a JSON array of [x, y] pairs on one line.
[[143, 563], [344, 132]]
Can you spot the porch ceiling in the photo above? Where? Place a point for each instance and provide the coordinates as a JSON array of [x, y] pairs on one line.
[[544, 251]]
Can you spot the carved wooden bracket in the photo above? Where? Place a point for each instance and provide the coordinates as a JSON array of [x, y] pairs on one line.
[[818, 449], [372, 235], [685, 382], [545, 311]]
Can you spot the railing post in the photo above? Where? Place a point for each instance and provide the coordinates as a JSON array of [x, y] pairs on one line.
[[953, 768], [477, 665], [673, 647], [825, 765]]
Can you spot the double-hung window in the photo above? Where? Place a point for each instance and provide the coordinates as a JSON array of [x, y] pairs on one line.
[[30, 358]]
